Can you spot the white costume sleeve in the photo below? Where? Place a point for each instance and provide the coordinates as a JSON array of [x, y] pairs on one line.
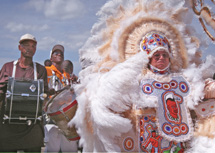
[[100, 103]]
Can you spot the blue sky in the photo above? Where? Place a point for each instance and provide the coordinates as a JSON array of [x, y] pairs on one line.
[[66, 22]]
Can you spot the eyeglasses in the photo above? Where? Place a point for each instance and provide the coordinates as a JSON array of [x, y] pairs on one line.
[[158, 55], [57, 52]]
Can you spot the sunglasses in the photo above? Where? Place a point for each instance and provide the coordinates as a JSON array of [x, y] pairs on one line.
[[158, 55], [57, 52]]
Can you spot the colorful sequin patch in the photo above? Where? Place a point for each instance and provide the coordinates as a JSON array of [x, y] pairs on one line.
[[128, 144], [148, 135], [151, 141], [175, 130], [206, 108], [172, 110], [174, 119], [147, 88], [152, 41], [166, 86], [183, 87]]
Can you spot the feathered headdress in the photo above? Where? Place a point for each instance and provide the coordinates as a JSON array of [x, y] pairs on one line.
[[127, 27], [123, 25]]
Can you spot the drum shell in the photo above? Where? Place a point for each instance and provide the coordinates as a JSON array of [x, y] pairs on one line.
[[23, 101], [66, 107]]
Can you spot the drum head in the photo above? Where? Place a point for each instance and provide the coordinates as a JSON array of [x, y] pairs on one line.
[[62, 100]]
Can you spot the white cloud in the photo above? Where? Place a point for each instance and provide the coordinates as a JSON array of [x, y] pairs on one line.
[[38, 4], [80, 36], [76, 41], [74, 45], [16, 27], [46, 43], [72, 42], [59, 9]]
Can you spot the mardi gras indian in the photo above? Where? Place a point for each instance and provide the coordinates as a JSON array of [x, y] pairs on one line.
[[143, 83]]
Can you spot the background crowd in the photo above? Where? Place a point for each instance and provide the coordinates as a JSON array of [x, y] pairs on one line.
[[56, 74]]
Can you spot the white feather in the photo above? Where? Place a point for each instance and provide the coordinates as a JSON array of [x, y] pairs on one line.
[[201, 144]]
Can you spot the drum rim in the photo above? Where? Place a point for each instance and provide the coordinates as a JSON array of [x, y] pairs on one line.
[[75, 138], [55, 95], [64, 109]]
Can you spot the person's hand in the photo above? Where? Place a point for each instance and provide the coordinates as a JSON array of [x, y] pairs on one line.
[[52, 91], [74, 78], [4, 80]]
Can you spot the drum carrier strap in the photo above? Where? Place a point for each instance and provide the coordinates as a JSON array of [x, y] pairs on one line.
[[14, 70]]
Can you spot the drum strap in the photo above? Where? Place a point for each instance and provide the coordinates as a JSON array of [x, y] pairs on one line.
[[14, 69]]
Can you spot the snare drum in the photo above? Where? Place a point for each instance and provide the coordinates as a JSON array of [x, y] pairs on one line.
[[24, 101], [62, 109]]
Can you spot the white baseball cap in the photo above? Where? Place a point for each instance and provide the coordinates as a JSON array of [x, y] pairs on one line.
[[27, 37]]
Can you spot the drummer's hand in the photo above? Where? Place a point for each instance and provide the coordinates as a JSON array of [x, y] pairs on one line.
[[52, 91], [74, 78]]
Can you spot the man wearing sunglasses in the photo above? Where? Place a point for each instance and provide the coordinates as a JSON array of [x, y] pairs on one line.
[[56, 76], [57, 79]]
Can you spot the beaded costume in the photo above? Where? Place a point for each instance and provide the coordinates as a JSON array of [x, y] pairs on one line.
[[126, 105]]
